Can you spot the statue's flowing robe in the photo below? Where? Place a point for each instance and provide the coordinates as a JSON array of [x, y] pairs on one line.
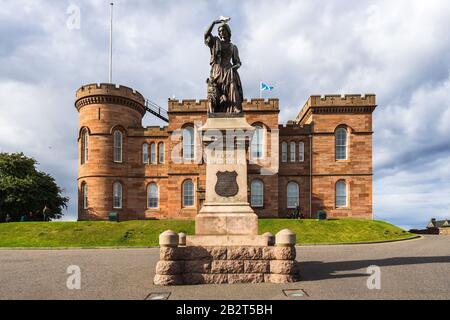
[[223, 57]]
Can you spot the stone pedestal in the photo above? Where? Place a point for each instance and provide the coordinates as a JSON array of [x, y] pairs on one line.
[[226, 247], [226, 264], [226, 210]]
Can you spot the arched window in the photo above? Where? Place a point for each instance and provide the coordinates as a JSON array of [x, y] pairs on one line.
[[341, 144], [161, 152], [188, 194], [284, 155], [188, 143], [85, 147], [257, 193], [341, 194], [292, 151], [117, 195], [145, 153], [84, 189], [153, 153], [258, 142], [301, 152], [118, 146], [152, 196], [292, 195]]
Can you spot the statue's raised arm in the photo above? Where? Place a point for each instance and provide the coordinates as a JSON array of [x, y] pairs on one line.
[[225, 92]]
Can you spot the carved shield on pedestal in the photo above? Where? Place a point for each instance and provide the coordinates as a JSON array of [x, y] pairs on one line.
[[227, 185]]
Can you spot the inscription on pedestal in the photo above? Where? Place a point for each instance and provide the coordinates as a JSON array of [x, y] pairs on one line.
[[227, 185]]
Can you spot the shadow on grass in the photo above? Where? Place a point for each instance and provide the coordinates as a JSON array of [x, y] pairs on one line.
[[317, 270]]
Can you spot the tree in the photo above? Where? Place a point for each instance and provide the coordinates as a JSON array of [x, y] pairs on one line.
[[27, 191]]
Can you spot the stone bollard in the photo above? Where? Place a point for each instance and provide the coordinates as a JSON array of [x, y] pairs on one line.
[[168, 239], [270, 238], [182, 239], [285, 238]]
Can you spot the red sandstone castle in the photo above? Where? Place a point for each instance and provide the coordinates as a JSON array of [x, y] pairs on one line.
[[321, 161]]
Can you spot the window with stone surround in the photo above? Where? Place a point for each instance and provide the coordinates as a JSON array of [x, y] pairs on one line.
[[341, 194], [153, 153], [161, 152], [292, 195], [84, 190], [118, 144], [258, 142], [292, 152], [284, 152], [301, 152], [85, 147], [145, 153], [188, 143], [341, 137], [152, 196], [117, 195], [188, 194], [257, 194]]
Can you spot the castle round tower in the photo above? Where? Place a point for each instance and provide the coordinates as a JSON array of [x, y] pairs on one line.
[[107, 112]]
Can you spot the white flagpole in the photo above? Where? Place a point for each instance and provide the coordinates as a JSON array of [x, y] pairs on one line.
[[111, 44]]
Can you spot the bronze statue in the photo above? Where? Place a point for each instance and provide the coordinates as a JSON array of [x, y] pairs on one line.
[[225, 94]]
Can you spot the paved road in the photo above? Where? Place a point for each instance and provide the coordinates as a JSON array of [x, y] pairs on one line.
[[418, 269]]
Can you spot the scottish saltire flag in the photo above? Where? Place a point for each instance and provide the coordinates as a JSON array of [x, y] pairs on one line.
[[266, 87]]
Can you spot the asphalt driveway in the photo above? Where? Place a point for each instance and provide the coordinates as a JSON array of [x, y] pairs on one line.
[[417, 269]]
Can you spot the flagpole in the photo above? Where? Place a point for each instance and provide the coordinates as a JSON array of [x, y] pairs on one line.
[[111, 44]]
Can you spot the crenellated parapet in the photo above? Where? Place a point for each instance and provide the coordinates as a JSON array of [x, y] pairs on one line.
[[293, 129], [349, 103], [201, 105], [105, 93]]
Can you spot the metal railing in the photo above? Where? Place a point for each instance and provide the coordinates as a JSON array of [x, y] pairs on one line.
[[156, 110]]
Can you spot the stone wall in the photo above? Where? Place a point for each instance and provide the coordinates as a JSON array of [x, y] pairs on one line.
[[194, 265]]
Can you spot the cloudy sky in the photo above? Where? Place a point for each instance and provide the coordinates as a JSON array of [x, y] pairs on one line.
[[396, 49]]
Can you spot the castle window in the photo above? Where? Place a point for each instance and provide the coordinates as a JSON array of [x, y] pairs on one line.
[[188, 194], [84, 189], [284, 154], [85, 147], [117, 195], [301, 152], [292, 195], [153, 153], [341, 194], [145, 153], [341, 144], [188, 143], [258, 143], [118, 146], [161, 152], [292, 151], [152, 196], [257, 193]]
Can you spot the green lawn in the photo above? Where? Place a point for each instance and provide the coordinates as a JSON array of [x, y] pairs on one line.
[[145, 233]]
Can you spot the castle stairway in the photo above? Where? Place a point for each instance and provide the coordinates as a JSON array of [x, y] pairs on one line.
[[156, 110]]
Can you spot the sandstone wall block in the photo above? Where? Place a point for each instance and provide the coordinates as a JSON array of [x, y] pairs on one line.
[[244, 253], [227, 266], [197, 266], [256, 266], [169, 267], [246, 278]]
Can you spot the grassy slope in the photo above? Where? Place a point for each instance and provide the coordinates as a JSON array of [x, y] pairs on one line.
[[145, 233]]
